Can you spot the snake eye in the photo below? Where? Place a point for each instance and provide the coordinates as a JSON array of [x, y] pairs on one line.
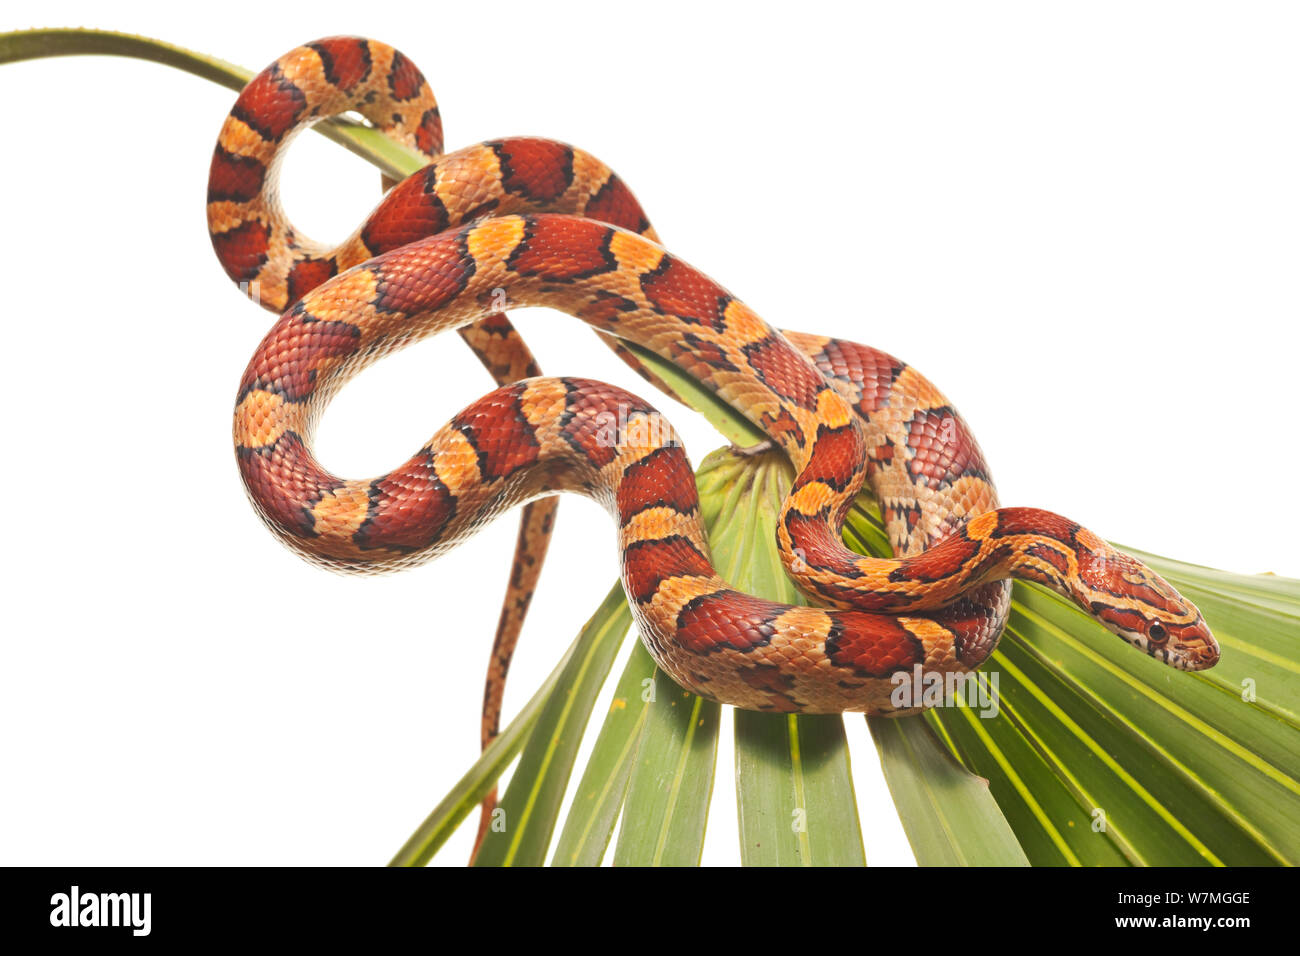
[[1157, 632]]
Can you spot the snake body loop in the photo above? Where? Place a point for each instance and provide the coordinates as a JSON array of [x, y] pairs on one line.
[[544, 224]]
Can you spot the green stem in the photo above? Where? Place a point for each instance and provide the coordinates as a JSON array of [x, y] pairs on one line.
[[371, 145]]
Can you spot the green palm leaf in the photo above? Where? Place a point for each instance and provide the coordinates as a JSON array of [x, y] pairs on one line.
[[1103, 756], [667, 805], [599, 798], [947, 812], [525, 818], [794, 787]]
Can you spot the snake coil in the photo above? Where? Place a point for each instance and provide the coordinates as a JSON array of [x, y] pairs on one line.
[[546, 224]]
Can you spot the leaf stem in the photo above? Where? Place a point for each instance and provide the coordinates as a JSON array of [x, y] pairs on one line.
[[371, 145]]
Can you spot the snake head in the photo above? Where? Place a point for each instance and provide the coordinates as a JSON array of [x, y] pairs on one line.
[[1144, 609]]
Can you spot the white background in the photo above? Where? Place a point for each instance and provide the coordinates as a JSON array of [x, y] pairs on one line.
[[1080, 221]]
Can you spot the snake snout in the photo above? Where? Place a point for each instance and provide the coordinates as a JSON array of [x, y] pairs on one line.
[[1195, 647], [1184, 646], [1136, 603]]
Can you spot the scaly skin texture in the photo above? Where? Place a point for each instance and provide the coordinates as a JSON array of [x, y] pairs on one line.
[[847, 416], [259, 248], [546, 435]]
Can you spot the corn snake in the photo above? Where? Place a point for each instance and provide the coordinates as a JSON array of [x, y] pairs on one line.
[[550, 225]]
